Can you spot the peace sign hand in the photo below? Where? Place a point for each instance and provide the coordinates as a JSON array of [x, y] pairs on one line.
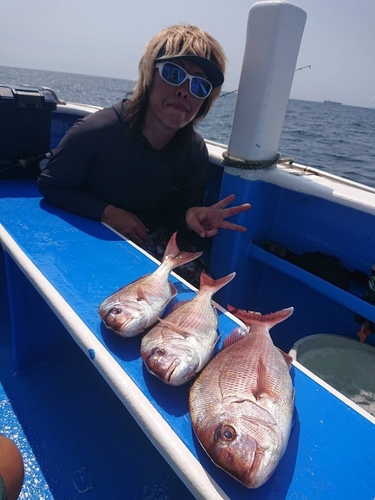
[[206, 221]]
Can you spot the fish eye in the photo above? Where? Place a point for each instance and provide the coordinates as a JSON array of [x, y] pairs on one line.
[[115, 311], [158, 351], [226, 433]]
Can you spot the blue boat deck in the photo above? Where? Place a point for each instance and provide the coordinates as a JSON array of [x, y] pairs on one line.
[[76, 438], [76, 435]]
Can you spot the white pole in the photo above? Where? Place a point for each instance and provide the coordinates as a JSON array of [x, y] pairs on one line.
[[274, 34]]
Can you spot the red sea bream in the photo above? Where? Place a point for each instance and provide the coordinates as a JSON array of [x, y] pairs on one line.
[[241, 405], [182, 343], [137, 306]]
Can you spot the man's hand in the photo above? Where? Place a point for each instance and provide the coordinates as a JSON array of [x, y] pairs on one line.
[[126, 223], [206, 221]]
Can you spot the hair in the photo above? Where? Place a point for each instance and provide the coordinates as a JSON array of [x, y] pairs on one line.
[[176, 40]]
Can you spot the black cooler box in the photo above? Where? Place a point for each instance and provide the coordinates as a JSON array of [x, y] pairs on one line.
[[25, 129]]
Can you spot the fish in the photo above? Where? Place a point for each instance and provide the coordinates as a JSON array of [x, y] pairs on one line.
[[138, 305], [241, 405], [183, 342]]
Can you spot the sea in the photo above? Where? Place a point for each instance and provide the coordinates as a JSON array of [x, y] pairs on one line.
[[330, 136]]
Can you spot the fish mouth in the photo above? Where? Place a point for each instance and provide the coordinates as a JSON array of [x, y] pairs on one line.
[[251, 480], [159, 367], [115, 323], [172, 368], [126, 320], [121, 327]]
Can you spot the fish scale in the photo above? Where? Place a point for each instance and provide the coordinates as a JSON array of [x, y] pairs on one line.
[[196, 313], [137, 306], [241, 404], [183, 342]]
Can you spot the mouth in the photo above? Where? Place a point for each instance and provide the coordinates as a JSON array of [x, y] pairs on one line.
[[119, 324], [179, 107], [171, 370], [251, 479]]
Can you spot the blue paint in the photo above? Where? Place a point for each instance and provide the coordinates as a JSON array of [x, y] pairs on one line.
[[92, 354], [302, 223], [75, 435], [86, 262]]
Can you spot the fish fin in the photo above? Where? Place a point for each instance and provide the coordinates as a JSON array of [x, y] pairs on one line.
[[262, 385], [207, 281], [141, 295], [172, 248], [288, 359], [185, 257], [176, 328], [173, 290], [179, 304], [237, 334], [173, 252], [251, 317], [265, 385], [294, 416], [216, 342]]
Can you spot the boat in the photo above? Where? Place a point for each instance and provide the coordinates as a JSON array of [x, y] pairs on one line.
[[333, 102], [89, 420]]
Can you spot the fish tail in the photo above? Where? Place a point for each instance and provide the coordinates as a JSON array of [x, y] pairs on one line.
[[251, 317], [207, 282], [175, 256]]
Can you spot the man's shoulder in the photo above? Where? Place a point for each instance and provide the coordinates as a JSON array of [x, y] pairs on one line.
[[199, 144], [106, 116], [197, 138], [97, 123]]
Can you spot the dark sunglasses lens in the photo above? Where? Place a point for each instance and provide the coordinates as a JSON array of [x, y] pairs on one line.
[[173, 74], [200, 87]]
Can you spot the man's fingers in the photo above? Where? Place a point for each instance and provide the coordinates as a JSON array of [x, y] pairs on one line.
[[224, 202], [233, 227], [227, 212]]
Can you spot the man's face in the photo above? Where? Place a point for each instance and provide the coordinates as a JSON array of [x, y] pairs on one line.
[[174, 107]]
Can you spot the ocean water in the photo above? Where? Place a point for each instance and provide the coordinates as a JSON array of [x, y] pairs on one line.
[[335, 138]]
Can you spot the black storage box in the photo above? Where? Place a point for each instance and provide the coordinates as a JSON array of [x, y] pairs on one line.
[[25, 130]]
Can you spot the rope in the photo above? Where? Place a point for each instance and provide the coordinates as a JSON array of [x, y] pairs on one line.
[[231, 161], [286, 160]]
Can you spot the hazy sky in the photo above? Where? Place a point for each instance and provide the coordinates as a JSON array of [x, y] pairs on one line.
[[106, 38]]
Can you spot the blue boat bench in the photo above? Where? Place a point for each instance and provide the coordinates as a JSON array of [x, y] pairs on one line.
[[60, 267]]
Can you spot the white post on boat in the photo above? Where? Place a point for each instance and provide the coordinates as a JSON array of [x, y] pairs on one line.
[[274, 33]]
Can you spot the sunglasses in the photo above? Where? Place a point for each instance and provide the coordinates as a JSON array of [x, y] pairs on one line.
[[175, 75]]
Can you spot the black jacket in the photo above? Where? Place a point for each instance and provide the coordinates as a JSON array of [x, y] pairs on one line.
[[98, 162]]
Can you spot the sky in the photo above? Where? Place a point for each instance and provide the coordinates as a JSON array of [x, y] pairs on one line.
[[107, 38]]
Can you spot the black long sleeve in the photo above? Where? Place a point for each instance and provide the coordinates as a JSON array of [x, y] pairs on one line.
[[98, 162]]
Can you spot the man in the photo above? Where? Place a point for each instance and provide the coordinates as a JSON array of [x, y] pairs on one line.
[[139, 166]]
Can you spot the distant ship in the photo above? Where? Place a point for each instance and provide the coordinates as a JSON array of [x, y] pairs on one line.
[[332, 102]]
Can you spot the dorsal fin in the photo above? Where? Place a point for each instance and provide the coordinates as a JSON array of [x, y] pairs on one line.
[[288, 359], [237, 334]]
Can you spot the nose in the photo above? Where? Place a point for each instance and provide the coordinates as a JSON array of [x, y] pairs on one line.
[[183, 90]]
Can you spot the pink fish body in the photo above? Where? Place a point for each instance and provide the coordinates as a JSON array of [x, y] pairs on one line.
[[182, 343], [137, 306], [241, 405]]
